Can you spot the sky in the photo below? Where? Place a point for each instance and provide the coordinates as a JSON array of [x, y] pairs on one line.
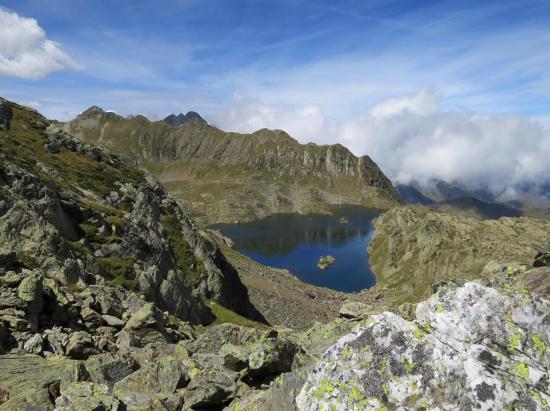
[[452, 90]]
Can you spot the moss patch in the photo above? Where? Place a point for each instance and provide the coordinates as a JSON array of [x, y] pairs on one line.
[[121, 271], [184, 255]]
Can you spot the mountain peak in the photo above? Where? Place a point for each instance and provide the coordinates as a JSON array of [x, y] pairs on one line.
[[182, 119]]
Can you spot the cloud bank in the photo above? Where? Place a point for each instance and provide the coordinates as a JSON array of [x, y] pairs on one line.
[[26, 52], [413, 138]]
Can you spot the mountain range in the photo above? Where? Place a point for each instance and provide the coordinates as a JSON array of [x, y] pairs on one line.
[[225, 177]]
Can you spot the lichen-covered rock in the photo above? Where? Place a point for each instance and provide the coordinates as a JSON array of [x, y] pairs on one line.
[[213, 386], [147, 316], [86, 395], [265, 357], [34, 345], [218, 335], [470, 347], [108, 369], [162, 377], [29, 381], [80, 345]]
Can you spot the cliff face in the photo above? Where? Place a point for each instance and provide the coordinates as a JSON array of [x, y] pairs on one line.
[[413, 247], [231, 176]]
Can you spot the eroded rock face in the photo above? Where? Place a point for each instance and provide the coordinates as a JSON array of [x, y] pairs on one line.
[[471, 347]]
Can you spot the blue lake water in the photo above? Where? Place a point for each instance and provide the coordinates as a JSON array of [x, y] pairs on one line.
[[296, 242]]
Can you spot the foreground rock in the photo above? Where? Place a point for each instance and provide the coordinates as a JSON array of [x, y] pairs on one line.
[[469, 348]]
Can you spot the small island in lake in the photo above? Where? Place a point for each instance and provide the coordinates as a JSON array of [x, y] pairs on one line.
[[325, 262]]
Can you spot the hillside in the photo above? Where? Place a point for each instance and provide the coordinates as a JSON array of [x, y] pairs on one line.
[[413, 247], [227, 177], [75, 214]]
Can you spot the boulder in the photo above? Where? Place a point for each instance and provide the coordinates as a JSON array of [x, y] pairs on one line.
[[218, 335], [56, 340], [213, 387], [470, 347], [113, 321], [162, 378], [86, 395], [80, 345], [34, 345], [108, 369], [30, 288], [265, 357], [146, 317]]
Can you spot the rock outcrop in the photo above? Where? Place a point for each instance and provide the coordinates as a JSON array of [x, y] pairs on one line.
[[225, 177]]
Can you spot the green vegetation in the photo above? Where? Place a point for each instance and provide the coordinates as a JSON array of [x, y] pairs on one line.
[[25, 146], [184, 255], [121, 271], [224, 315]]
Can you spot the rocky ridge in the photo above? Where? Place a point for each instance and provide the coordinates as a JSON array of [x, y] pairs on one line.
[[182, 119], [225, 177]]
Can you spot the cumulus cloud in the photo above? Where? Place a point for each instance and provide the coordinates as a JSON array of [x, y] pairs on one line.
[[414, 138], [26, 52]]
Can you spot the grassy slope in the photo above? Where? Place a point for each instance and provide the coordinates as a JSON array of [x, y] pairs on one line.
[[413, 247]]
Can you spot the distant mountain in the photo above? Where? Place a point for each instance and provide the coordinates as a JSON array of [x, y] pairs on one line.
[[411, 195], [182, 119], [472, 207], [531, 199], [228, 177]]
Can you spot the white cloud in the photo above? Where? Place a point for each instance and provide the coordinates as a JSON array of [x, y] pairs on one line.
[[414, 138], [25, 51], [245, 114]]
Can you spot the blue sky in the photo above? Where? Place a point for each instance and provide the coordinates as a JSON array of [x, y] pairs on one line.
[[159, 57], [451, 90]]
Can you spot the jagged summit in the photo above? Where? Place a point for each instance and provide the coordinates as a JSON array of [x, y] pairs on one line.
[[182, 119]]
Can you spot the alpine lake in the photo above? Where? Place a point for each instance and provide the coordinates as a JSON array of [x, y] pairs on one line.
[[296, 242]]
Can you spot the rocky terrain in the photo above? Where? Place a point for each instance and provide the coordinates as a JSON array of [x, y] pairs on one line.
[[227, 177], [413, 247], [111, 298]]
